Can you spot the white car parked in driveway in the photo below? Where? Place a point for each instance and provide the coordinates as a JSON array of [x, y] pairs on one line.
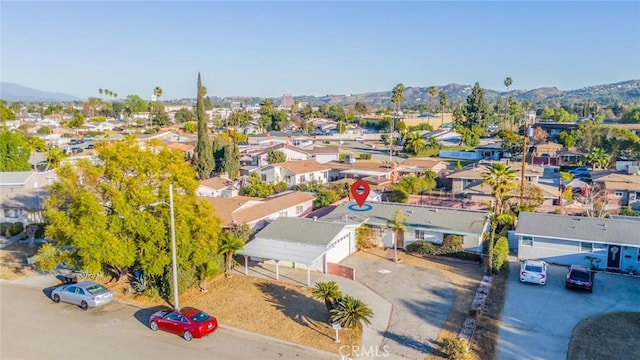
[[533, 271]]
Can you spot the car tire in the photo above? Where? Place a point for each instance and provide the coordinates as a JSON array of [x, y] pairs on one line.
[[153, 326], [590, 290], [566, 286], [56, 298], [187, 335], [84, 305]]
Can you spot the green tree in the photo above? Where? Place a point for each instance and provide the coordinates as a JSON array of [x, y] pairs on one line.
[[329, 292], [444, 102], [76, 121], [397, 95], [508, 82], [501, 179], [476, 112], [276, 156], [398, 195], [397, 227], [598, 158], [432, 94], [184, 115], [458, 166], [351, 313], [414, 143], [204, 162], [14, 151], [415, 185], [566, 139], [360, 107], [191, 127], [258, 188], [101, 212], [158, 115], [134, 104], [6, 113], [230, 244], [632, 117]]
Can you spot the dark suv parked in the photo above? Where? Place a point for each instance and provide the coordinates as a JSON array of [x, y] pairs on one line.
[[579, 277]]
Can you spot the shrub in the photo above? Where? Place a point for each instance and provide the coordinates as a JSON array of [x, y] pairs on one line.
[[365, 237], [364, 156], [473, 313], [11, 229], [456, 349], [500, 253], [452, 242], [427, 248], [399, 196]]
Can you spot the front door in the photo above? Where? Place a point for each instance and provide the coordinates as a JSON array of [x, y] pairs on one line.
[[613, 257]]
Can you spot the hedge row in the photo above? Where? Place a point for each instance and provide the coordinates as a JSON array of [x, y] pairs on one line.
[[428, 248]]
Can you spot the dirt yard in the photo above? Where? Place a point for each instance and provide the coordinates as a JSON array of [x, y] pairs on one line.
[[13, 261], [266, 307]]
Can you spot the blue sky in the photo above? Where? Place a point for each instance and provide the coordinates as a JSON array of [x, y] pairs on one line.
[[314, 48]]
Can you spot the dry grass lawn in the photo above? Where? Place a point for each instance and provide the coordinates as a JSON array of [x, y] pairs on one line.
[[608, 336], [262, 306], [13, 261]]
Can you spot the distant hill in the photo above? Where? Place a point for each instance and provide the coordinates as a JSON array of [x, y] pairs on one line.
[[627, 92], [11, 92], [624, 92]]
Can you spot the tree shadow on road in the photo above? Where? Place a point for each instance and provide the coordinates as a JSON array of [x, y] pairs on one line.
[[407, 341], [295, 305]]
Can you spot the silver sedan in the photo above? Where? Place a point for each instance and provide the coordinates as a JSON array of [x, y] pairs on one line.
[[85, 294]]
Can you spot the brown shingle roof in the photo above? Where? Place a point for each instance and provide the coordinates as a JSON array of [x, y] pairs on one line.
[[245, 209], [216, 183], [303, 166]]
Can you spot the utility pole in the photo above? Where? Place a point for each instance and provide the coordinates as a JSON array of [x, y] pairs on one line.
[[524, 164]]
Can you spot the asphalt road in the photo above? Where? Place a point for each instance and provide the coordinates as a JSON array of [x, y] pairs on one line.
[[538, 321], [33, 327]]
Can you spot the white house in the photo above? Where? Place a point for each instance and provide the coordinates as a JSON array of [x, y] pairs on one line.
[[302, 243]]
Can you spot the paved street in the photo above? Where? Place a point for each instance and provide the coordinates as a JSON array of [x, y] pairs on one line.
[[538, 321], [33, 327]]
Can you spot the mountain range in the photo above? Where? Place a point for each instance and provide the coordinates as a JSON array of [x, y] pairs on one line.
[[622, 92], [12, 92]]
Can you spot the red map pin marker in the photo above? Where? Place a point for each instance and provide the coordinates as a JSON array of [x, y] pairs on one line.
[[360, 191]]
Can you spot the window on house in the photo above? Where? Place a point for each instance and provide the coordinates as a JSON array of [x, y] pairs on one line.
[[420, 235], [303, 178], [283, 214], [263, 177], [586, 246], [326, 174], [638, 259], [288, 178], [600, 247], [11, 213], [527, 241], [299, 209]]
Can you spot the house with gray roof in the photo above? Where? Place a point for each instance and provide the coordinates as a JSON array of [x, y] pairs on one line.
[[301, 243], [427, 223], [612, 244], [22, 195]]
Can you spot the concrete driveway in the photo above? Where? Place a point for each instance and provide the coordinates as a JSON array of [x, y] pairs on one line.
[[421, 300], [538, 321]]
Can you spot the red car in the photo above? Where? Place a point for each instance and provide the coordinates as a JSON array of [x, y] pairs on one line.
[[188, 322]]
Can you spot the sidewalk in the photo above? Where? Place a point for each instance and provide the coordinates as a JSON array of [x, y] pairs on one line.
[[372, 334]]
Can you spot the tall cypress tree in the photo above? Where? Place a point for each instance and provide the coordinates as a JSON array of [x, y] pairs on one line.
[[204, 162]]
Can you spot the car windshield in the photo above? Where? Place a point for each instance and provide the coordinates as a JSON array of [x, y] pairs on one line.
[[95, 289], [579, 275], [533, 268], [200, 317]]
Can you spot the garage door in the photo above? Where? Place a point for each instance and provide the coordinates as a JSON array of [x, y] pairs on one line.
[[340, 251]]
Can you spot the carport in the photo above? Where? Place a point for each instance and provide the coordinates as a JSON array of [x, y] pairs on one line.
[[278, 250]]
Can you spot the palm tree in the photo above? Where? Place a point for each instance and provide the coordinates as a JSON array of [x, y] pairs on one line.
[[327, 291], [351, 313], [230, 243], [501, 178], [115, 95], [396, 226], [508, 82], [444, 101], [598, 158], [100, 91], [432, 93], [415, 143], [397, 95]]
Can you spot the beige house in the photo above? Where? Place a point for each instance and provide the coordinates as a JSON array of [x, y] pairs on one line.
[[258, 212], [622, 189]]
